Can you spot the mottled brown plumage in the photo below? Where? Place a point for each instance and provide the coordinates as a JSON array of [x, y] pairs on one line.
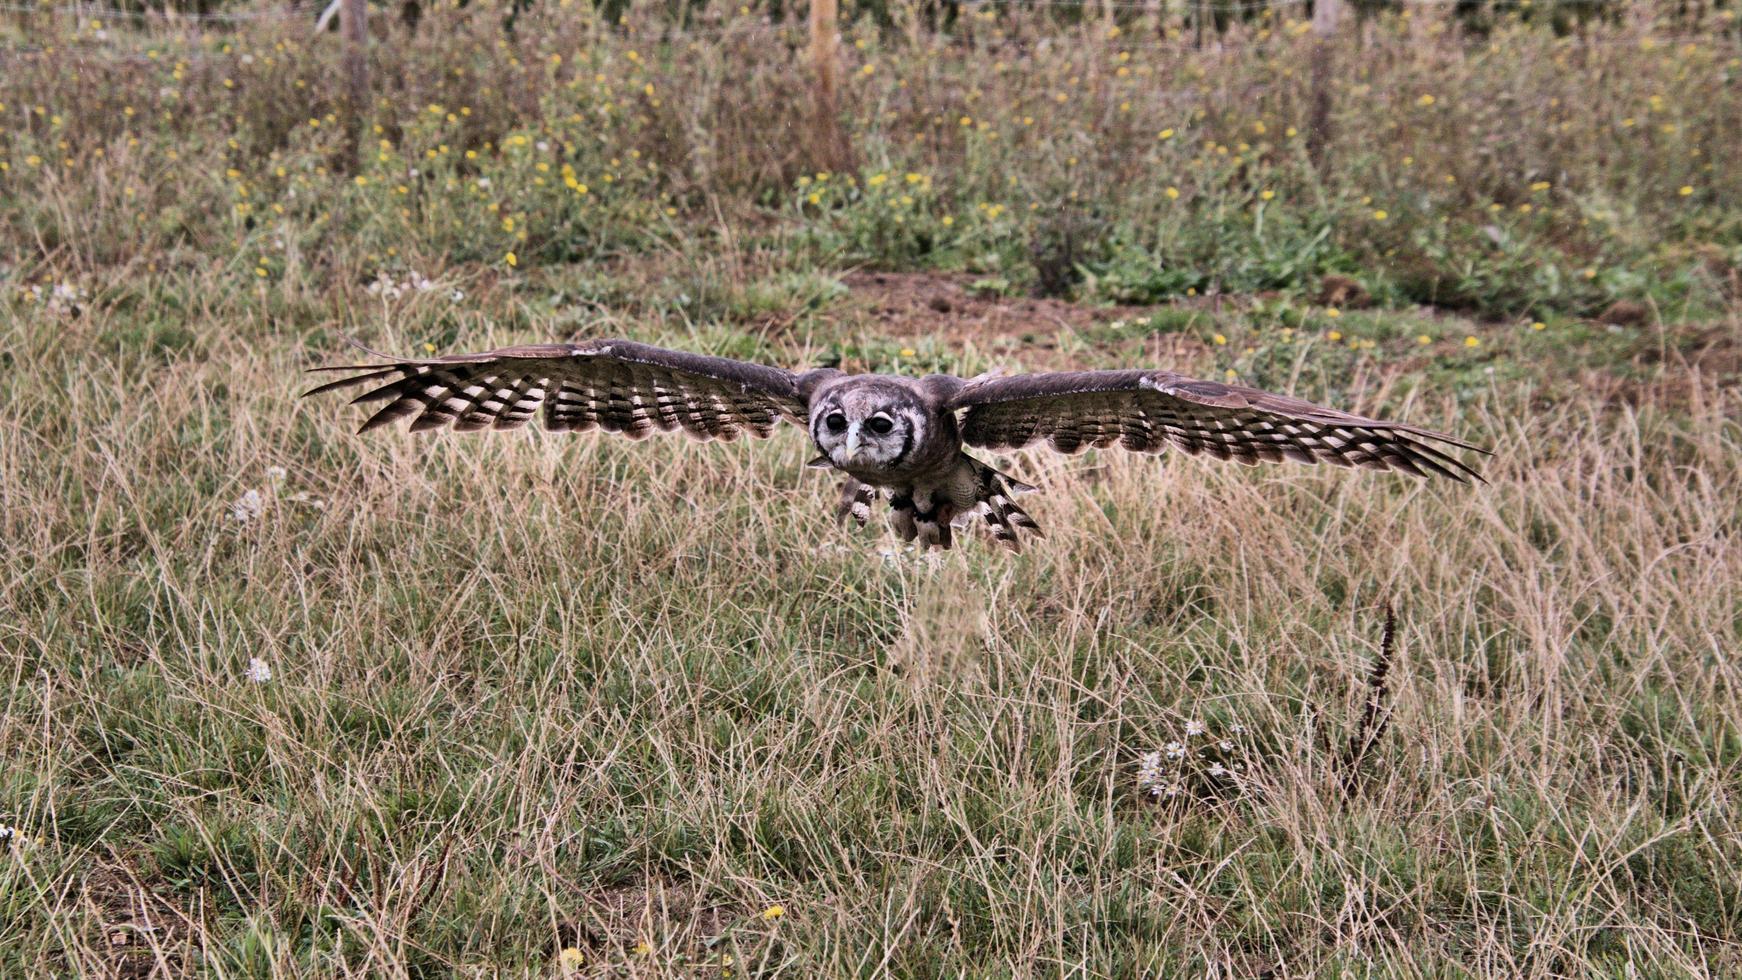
[[900, 436]]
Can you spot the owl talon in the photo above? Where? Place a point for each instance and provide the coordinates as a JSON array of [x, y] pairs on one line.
[[855, 503]]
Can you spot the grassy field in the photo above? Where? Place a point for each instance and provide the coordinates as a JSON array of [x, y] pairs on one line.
[[283, 701]]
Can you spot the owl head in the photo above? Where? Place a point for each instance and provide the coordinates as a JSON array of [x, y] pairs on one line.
[[866, 426]]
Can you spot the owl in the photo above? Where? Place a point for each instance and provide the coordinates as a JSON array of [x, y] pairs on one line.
[[899, 438]]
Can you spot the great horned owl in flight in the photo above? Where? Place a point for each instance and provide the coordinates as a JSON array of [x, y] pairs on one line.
[[899, 437]]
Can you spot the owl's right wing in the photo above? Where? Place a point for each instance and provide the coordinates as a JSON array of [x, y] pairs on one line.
[[613, 385], [1148, 411]]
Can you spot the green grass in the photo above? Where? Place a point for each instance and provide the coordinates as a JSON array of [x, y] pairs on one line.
[[533, 693]]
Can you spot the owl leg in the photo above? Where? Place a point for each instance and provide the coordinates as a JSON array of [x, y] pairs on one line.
[[901, 515], [932, 514], [855, 502]]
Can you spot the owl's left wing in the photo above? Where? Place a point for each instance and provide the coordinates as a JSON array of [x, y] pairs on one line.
[[613, 385], [1147, 411]]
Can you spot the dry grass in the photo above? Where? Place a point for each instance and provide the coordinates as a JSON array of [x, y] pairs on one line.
[[533, 693]]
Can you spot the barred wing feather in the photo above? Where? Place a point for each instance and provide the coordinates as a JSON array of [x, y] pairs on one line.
[[612, 385], [1148, 411]]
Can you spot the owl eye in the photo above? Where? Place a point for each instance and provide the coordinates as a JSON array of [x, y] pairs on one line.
[[836, 422], [879, 424]]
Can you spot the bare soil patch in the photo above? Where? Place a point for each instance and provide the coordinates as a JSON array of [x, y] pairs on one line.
[[948, 307]]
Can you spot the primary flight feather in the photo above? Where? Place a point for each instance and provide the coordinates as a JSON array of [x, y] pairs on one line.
[[899, 437]]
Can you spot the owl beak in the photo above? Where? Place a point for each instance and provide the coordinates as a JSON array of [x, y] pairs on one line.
[[852, 440]]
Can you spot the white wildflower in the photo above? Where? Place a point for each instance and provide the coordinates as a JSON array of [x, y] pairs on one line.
[[276, 474], [249, 507], [1225, 745], [304, 497], [457, 295], [1151, 772], [258, 672], [1217, 769], [1175, 750], [1194, 727], [1237, 728], [484, 182]]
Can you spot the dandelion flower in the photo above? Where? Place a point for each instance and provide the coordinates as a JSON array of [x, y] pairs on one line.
[[773, 912], [570, 959], [1687, 190], [512, 260], [908, 352], [1539, 325], [1472, 342]]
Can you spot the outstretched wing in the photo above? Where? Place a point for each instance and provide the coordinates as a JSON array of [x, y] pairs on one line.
[[1147, 411], [613, 385]]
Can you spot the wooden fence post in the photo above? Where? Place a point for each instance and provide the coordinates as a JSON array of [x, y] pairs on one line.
[[829, 150], [1326, 14], [354, 30]]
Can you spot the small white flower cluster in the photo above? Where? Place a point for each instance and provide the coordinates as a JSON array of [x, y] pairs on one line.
[[62, 297], [1195, 767], [910, 555], [249, 507], [1139, 323], [386, 287], [258, 672]]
